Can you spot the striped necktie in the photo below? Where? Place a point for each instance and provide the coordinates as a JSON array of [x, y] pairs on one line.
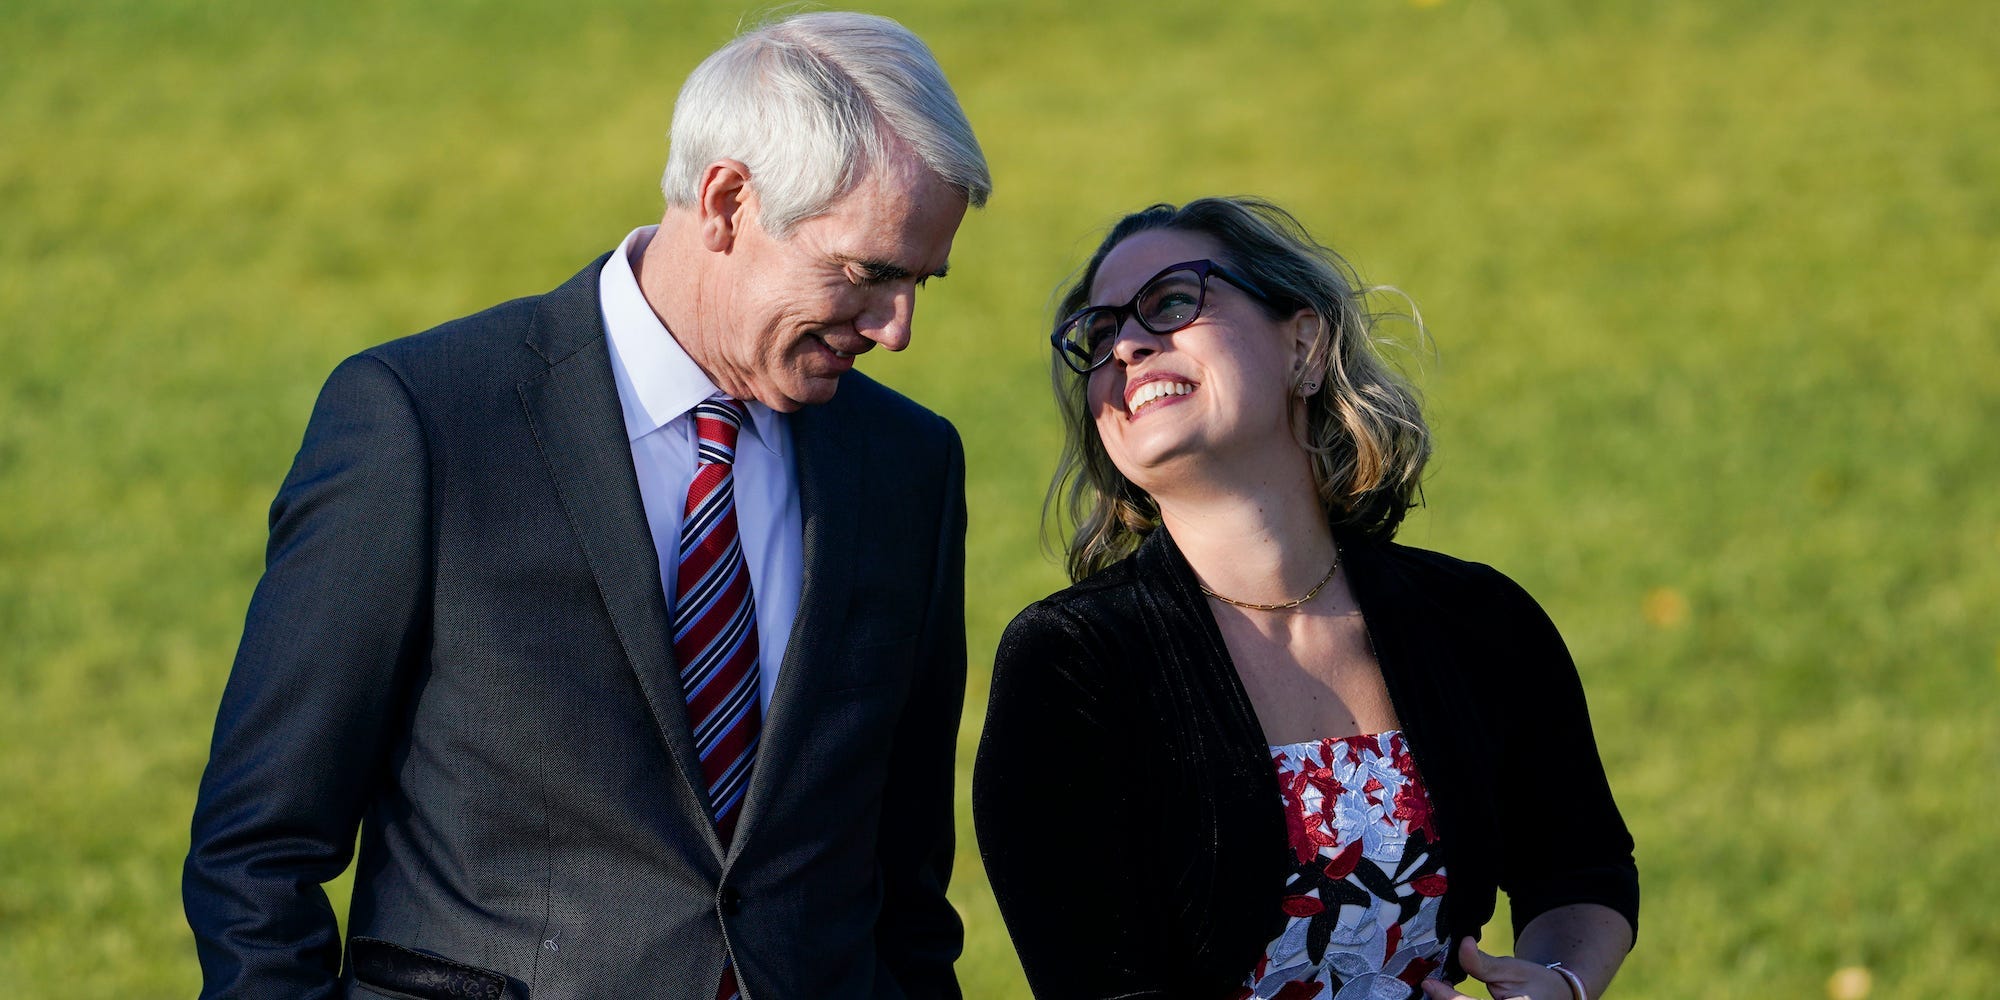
[[715, 617], [715, 626]]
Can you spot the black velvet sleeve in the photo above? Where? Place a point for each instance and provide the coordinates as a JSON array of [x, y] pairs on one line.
[[1059, 827], [1562, 838]]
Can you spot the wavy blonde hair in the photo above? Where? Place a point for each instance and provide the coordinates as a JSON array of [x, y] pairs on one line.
[[1363, 427]]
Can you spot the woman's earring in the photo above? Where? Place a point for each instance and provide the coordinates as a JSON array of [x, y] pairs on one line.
[[1308, 388]]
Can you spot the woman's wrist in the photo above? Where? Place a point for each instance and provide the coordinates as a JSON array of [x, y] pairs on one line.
[[1575, 981]]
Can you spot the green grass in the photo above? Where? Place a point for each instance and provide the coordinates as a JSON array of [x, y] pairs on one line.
[[1715, 295]]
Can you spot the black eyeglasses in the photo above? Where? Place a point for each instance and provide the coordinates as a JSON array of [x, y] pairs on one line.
[[1168, 301]]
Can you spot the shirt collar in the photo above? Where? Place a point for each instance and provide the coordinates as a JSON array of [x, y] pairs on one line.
[[657, 381]]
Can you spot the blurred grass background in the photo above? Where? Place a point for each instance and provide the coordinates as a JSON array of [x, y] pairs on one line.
[[1714, 289]]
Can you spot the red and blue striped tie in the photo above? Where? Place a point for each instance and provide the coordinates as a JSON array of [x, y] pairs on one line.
[[715, 625]]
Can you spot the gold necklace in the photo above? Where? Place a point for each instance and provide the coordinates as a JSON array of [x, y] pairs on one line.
[[1286, 606]]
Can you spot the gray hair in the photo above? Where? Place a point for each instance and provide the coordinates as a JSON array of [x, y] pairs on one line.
[[808, 103]]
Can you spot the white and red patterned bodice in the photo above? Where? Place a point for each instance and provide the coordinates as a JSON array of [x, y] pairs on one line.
[[1363, 895]]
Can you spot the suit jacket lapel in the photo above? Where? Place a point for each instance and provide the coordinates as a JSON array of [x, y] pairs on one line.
[[829, 493], [580, 430]]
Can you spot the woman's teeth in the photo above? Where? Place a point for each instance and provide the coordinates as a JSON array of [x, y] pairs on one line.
[[1156, 390]]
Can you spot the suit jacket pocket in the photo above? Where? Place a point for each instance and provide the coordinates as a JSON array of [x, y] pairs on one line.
[[396, 971]]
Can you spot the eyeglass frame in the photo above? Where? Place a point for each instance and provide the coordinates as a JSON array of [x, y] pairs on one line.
[[1202, 268]]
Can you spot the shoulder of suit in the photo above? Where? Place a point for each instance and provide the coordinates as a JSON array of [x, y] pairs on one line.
[[491, 348], [864, 398], [487, 355], [494, 334]]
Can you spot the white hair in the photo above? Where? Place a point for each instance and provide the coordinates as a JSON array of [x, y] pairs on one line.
[[805, 103]]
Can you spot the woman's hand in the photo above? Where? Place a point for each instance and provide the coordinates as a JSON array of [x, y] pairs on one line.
[[1505, 978]]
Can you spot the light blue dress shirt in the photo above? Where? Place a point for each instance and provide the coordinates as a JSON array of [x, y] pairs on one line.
[[658, 385]]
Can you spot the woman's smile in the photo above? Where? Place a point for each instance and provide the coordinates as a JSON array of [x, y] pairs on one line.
[[1152, 391]]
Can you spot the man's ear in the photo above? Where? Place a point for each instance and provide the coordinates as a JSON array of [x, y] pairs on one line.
[[725, 202]]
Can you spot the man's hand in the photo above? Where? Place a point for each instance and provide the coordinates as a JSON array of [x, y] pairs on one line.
[[1505, 978]]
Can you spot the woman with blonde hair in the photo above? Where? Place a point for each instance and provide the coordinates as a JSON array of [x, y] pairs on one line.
[[1258, 748]]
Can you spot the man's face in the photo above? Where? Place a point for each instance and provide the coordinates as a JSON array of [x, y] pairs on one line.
[[796, 311]]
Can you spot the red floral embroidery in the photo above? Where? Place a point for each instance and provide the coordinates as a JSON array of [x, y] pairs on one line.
[[1295, 827], [1405, 764], [1413, 807], [1321, 777], [1343, 863], [1385, 915], [1307, 831], [1417, 971]]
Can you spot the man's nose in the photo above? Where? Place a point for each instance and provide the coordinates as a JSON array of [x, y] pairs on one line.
[[887, 319]]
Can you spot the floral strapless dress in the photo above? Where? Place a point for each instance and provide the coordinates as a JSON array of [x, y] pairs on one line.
[[1363, 895]]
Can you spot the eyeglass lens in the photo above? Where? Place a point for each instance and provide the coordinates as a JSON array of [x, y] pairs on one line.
[[1167, 303]]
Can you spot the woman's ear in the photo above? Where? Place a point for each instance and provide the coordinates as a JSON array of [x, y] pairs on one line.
[[725, 203], [1304, 327]]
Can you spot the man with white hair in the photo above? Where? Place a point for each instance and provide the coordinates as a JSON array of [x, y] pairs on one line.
[[624, 623]]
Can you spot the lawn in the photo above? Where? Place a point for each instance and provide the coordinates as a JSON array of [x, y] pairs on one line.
[[1713, 295]]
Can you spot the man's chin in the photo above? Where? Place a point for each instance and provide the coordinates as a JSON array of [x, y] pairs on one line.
[[815, 390]]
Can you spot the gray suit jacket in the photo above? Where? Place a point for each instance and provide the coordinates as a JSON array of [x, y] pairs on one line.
[[460, 648]]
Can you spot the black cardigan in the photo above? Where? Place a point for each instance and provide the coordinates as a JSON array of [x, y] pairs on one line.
[[1129, 815]]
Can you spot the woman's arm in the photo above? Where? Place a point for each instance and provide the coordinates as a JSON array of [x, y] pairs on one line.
[[1566, 856], [1562, 838], [1588, 939]]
